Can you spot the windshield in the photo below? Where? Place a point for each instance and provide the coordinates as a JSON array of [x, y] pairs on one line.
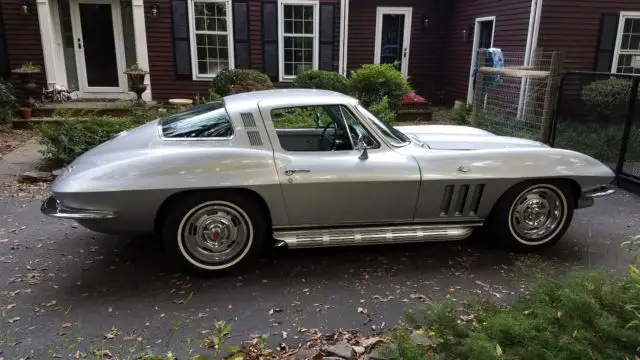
[[394, 136]]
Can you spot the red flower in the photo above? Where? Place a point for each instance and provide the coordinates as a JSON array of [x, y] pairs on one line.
[[412, 97]]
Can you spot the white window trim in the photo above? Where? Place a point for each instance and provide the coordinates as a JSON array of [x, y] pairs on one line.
[[616, 51], [316, 35], [194, 45]]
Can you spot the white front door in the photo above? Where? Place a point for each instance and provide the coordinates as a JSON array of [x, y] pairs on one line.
[[393, 33], [99, 45]]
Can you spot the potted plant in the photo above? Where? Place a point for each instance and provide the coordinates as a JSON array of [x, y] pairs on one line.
[[413, 108], [136, 76], [27, 73]]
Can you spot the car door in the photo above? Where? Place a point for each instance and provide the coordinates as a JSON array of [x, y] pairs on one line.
[[336, 187]]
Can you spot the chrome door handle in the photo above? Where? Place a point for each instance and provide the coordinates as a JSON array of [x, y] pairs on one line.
[[291, 172]]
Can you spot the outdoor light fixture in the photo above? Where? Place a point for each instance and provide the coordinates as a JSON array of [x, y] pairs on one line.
[[25, 7], [154, 8], [425, 22], [467, 33]]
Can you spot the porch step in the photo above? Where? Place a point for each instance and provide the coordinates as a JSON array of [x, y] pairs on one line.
[[99, 108]]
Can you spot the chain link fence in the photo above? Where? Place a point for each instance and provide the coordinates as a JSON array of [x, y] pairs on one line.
[[598, 114], [516, 100]]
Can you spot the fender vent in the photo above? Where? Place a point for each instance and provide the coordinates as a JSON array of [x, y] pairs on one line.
[[254, 138], [248, 120], [461, 200]]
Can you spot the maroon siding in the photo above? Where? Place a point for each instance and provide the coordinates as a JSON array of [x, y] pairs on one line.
[[22, 34], [164, 82], [510, 35], [425, 54], [573, 27]]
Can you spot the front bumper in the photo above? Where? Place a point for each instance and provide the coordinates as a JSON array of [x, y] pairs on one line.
[[52, 207], [588, 195]]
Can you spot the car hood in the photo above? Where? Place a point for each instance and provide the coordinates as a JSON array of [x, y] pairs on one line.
[[456, 137]]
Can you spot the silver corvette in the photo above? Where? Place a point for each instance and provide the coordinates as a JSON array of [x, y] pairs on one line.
[[311, 168]]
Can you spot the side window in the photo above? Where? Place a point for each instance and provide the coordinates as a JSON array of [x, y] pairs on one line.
[[357, 130], [209, 120], [317, 128]]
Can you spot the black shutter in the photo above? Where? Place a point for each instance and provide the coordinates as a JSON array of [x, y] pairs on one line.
[[4, 57], [327, 26], [606, 42], [270, 39], [241, 34], [181, 48]]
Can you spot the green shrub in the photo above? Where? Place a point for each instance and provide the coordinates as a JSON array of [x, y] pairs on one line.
[[249, 86], [211, 96], [608, 99], [384, 111], [371, 83], [321, 79], [600, 140], [226, 79], [7, 101], [586, 315], [461, 114], [66, 140]]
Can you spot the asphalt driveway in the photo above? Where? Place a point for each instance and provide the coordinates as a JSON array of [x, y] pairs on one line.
[[63, 288]]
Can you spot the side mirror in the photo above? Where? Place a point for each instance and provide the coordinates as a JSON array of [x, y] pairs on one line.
[[362, 146]]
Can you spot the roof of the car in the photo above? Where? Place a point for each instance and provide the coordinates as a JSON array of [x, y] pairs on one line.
[[287, 96]]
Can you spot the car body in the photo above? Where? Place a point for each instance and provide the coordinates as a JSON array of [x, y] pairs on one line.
[[314, 168]]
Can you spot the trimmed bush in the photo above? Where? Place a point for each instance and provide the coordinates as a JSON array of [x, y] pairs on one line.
[[70, 138], [249, 86], [321, 79], [225, 80], [371, 83], [7, 101], [383, 111], [608, 99]]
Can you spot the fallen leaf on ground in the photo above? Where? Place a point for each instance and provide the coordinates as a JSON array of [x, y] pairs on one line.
[[51, 303], [275, 310], [4, 240], [66, 325], [80, 355], [467, 318], [419, 297], [12, 320], [380, 298], [370, 341], [11, 306], [484, 286], [14, 293], [362, 310], [284, 335], [130, 337], [111, 334]]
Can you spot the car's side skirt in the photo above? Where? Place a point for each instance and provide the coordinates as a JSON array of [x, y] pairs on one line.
[[373, 235]]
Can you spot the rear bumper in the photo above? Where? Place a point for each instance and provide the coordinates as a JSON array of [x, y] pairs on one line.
[[52, 207], [588, 195]]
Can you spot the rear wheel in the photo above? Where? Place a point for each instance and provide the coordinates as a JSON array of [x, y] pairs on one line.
[[210, 233], [533, 215]]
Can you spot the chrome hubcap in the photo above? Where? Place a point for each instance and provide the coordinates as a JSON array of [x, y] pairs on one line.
[[215, 234], [536, 214]]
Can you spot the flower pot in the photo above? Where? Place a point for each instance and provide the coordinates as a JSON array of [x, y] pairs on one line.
[[29, 86], [136, 83], [25, 112]]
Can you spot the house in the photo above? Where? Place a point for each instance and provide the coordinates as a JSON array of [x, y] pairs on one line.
[[87, 44]]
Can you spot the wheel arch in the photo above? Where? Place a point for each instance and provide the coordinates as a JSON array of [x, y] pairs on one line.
[[166, 204], [576, 190]]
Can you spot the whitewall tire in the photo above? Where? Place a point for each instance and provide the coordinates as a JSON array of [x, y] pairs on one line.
[[532, 215]]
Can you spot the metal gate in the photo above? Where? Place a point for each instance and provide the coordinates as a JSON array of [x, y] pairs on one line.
[[599, 114]]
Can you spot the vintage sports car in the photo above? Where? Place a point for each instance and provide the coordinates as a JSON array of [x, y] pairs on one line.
[[312, 168]]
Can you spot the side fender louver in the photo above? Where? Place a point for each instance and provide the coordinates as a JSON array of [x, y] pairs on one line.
[[461, 200]]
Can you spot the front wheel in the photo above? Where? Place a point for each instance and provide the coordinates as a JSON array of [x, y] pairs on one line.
[[210, 233], [533, 215]]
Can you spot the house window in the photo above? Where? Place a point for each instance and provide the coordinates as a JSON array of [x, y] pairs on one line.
[[627, 58], [298, 33], [211, 37]]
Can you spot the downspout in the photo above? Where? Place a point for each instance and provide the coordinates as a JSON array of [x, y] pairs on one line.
[[341, 46], [527, 52], [345, 45]]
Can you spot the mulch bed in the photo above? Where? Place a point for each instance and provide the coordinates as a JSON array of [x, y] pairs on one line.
[[11, 139]]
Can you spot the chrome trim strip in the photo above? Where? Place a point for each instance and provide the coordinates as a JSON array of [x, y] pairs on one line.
[[52, 207], [598, 191], [371, 235]]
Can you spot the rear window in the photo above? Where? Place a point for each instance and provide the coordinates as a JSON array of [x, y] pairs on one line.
[[209, 120]]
